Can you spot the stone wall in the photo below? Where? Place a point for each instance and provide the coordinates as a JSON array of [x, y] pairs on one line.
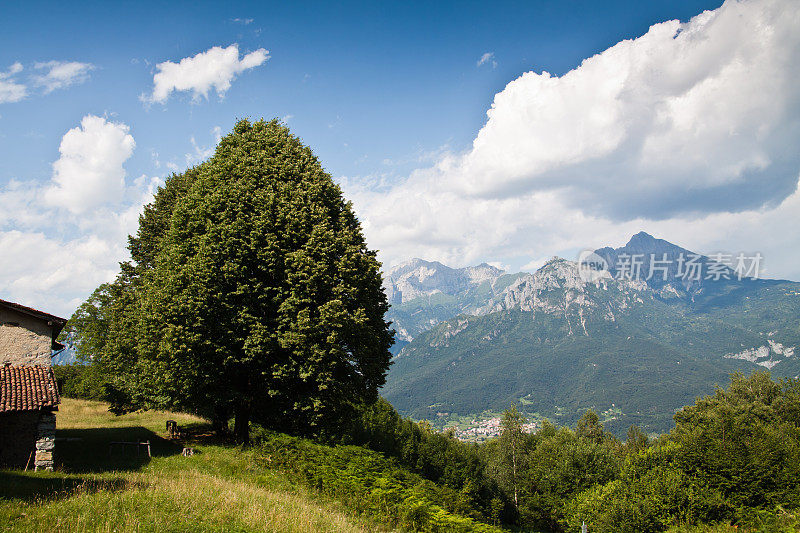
[[25, 340], [46, 441], [27, 438]]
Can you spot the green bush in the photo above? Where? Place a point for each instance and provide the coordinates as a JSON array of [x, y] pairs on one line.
[[734, 457], [438, 457], [559, 464], [745, 442], [81, 381], [369, 483], [644, 501]]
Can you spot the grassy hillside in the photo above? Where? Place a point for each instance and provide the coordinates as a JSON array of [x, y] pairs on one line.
[[220, 488], [282, 483], [225, 488]]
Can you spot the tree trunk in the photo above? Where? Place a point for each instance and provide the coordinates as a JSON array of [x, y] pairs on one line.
[[219, 423], [241, 426], [514, 469]]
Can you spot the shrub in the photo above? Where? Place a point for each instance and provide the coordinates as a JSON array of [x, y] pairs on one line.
[[369, 483]]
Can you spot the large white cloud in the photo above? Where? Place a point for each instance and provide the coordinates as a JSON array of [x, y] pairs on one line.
[[60, 240], [215, 68], [90, 170], [689, 117], [52, 274], [691, 123]]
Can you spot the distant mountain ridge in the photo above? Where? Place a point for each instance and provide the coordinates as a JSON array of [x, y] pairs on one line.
[[417, 277], [557, 343], [423, 293]]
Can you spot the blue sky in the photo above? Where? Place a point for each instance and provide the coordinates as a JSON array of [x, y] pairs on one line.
[[391, 97], [361, 82]]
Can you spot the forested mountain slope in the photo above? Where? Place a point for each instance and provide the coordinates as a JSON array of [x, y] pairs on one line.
[[635, 348]]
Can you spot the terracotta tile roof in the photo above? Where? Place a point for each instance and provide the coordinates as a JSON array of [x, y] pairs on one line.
[[27, 388]]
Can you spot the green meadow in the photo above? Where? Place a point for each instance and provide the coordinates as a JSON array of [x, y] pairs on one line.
[[221, 487]]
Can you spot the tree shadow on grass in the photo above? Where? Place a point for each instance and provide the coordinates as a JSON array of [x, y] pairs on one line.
[[91, 450], [31, 486]]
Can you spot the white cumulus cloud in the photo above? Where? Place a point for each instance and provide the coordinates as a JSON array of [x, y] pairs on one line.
[[61, 74], [60, 240], [215, 68], [691, 117], [689, 131], [90, 171], [52, 274]]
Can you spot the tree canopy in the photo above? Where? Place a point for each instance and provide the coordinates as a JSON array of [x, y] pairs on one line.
[[251, 292]]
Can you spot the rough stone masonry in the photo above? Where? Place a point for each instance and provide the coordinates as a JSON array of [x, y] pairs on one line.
[[28, 391]]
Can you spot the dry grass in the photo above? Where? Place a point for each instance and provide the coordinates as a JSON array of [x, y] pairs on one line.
[[85, 414], [220, 489], [187, 501]]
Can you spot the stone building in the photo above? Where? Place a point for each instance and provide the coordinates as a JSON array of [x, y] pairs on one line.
[[28, 391]]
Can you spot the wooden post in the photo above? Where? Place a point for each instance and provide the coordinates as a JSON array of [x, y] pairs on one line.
[[148, 449]]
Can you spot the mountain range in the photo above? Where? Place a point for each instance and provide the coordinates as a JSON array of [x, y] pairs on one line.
[[634, 338]]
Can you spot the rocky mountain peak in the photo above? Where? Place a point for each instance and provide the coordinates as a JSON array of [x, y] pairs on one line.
[[417, 278], [642, 238], [644, 243], [558, 273], [656, 261], [415, 264], [483, 272]]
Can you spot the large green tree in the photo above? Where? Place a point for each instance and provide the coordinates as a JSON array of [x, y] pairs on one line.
[[251, 292]]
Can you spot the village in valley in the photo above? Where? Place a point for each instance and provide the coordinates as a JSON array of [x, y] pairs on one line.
[[484, 426], [479, 428]]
